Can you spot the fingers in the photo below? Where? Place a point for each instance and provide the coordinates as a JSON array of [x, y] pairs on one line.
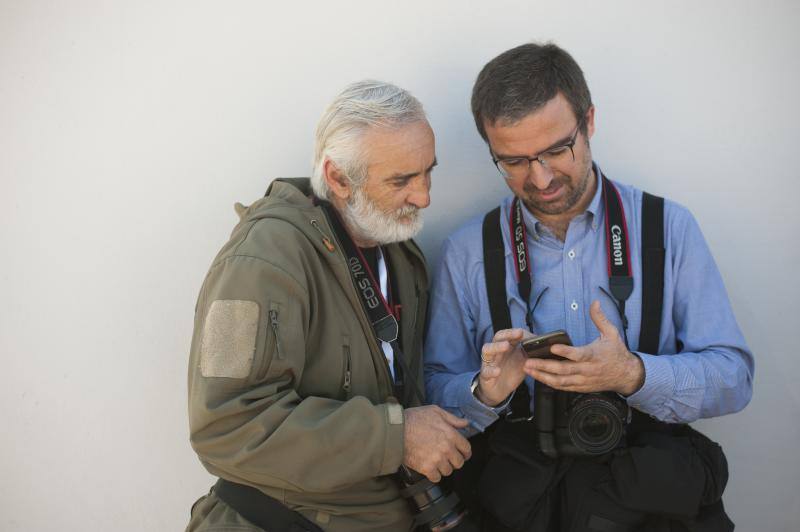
[[433, 475], [503, 343], [455, 456], [433, 446], [493, 352], [555, 367], [464, 448], [455, 449], [575, 354], [569, 383], [509, 335], [493, 349], [445, 469]]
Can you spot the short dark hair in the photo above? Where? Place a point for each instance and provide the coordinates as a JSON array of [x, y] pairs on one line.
[[523, 79]]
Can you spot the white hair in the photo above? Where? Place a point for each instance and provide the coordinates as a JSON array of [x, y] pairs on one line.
[[360, 106]]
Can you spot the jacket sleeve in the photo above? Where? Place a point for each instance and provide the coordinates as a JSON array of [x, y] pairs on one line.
[[247, 421]]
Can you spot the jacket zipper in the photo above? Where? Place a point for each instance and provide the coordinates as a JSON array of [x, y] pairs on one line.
[[273, 321], [325, 239], [347, 374]]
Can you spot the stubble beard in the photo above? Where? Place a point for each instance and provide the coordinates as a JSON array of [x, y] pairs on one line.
[[573, 192], [368, 223]]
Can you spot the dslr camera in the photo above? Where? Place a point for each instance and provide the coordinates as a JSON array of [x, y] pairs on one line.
[[574, 424]]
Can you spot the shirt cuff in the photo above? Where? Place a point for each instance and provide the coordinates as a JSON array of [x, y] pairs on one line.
[[659, 384], [477, 413]]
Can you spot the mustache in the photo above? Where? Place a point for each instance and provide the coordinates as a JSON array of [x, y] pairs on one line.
[[530, 188], [408, 210]]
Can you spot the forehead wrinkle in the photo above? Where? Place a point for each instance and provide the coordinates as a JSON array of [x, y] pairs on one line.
[[401, 147]]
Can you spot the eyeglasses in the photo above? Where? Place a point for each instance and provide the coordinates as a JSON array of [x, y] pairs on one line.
[[520, 167]]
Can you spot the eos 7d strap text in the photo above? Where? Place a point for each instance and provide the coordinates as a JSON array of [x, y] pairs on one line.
[[521, 263], [384, 322]]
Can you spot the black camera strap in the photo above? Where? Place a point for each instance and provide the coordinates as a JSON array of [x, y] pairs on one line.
[[620, 280], [618, 255], [262, 510], [519, 250], [384, 322]]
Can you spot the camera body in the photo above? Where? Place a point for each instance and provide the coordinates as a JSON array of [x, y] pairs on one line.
[[579, 424]]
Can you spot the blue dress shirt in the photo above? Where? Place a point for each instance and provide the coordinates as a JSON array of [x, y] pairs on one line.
[[703, 368]]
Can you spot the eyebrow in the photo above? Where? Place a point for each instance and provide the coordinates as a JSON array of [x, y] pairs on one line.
[[401, 177], [557, 144]]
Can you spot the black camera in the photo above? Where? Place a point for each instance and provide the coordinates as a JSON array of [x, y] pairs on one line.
[[435, 508], [579, 424]]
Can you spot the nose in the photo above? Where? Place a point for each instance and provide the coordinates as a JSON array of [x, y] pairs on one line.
[[540, 175], [419, 195]]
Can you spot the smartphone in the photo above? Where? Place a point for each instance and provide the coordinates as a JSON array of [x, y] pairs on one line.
[[539, 346]]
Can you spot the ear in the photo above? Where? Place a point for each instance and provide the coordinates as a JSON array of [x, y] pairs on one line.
[[590, 122], [337, 182]]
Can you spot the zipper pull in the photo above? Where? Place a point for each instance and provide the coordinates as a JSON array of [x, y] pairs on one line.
[[347, 380], [273, 320], [325, 239]]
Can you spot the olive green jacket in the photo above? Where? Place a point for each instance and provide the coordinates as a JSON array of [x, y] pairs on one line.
[[289, 391]]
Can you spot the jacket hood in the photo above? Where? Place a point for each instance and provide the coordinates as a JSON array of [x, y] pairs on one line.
[[287, 199], [291, 199]]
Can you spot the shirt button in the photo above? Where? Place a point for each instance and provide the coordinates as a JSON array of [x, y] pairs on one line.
[[571, 254], [574, 305]]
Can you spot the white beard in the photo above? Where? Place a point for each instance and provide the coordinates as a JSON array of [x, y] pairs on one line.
[[368, 223]]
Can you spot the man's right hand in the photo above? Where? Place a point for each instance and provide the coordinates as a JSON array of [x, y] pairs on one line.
[[432, 445], [502, 363]]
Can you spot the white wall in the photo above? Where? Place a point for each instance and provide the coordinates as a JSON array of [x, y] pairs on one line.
[[128, 130]]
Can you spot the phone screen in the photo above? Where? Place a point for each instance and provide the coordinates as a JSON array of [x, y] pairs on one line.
[[539, 346]]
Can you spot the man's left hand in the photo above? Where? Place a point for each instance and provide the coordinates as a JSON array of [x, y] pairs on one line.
[[603, 365]]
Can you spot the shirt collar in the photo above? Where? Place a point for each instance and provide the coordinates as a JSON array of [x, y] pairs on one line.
[[594, 207], [535, 228]]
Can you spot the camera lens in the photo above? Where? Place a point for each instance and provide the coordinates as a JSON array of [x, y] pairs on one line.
[[595, 424], [435, 508]]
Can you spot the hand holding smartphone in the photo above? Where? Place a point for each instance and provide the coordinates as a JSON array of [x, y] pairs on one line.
[[539, 346]]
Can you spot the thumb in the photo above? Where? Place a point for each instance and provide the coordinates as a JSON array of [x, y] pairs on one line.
[[454, 420], [605, 327]]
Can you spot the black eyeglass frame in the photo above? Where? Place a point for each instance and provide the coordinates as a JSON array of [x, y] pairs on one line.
[[542, 157]]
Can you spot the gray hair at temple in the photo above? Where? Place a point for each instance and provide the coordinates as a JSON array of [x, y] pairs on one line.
[[359, 107]]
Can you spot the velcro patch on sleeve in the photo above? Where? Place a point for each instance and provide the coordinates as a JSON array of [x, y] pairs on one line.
[[395, 412], [229, 338]]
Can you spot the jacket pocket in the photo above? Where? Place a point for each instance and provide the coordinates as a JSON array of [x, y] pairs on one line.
[[347, 367], [273, 347]]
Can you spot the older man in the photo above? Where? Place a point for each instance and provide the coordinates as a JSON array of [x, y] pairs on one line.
[[308, 336]]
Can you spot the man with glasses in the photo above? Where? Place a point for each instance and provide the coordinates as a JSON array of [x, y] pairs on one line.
[[561, 249]]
